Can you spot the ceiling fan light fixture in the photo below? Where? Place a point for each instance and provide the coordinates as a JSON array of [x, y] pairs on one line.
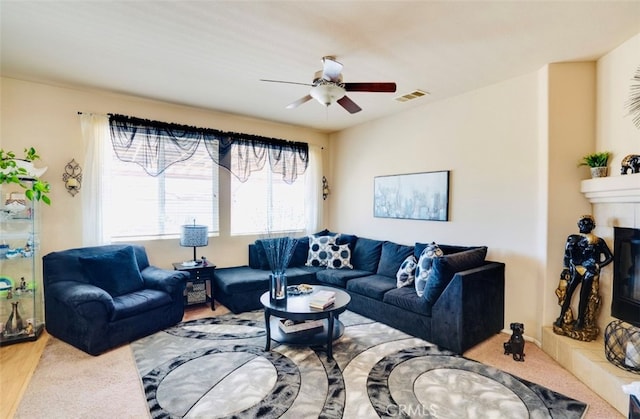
[[327, 93]]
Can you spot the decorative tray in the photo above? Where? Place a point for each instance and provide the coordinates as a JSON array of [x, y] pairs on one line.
[[299, 289]]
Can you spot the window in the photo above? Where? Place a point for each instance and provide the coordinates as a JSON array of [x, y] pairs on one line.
[[148, 207], [266, 204], [165, 175]]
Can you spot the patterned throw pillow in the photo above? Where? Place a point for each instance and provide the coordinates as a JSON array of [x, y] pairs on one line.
[[340, 257], [319, 250], [425, 263], [406, 273]]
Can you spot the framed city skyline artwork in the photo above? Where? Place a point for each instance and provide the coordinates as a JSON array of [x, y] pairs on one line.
[[413, 196]]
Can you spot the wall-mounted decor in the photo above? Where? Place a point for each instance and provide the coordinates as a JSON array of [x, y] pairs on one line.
[[633, 104], [72, 177], [414, 196]]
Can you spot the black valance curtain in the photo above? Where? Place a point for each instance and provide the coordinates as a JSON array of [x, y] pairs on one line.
[[157, 145]]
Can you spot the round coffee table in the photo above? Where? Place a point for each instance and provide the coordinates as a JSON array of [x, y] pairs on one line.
[[297, 308]]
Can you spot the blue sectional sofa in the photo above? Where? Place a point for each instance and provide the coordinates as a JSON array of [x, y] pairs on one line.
[[462, 304]]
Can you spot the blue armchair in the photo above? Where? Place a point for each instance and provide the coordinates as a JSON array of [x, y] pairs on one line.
[[97, 298]]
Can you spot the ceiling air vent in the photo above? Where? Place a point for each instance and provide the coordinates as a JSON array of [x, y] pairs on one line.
[[412, 95]]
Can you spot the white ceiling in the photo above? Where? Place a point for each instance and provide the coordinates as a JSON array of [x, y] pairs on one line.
[[212, 54]]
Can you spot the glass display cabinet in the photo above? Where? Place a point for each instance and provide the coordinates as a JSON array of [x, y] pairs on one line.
[[21, 298]]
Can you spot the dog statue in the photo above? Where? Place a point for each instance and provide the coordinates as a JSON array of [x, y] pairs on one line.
[[515, 345]]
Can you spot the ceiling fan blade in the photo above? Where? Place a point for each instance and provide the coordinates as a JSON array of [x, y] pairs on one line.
[[287, 82], [349, 104], [299, 102], [370, 87], [331, 69]]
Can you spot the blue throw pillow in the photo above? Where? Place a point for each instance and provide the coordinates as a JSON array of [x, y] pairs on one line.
[[444, 268], [446, 249], [391, 257], [349, 239], [115, 272]]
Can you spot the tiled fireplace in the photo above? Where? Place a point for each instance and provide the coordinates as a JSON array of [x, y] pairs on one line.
[[616, 203]]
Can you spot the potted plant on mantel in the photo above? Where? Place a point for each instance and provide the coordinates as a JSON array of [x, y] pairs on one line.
[[16, 171], [597, 162]]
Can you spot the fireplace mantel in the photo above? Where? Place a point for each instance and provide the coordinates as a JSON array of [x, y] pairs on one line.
[[612, 189]]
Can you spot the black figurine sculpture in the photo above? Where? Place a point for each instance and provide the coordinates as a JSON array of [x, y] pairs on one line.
[[630, 163], [584, 255]]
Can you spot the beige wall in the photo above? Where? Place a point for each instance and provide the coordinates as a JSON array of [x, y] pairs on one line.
[[46, 118], [571, 116], [488, 139], [615, 129]]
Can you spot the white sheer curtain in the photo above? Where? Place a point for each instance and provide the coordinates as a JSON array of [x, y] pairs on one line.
[[95, 187], [314, 189]]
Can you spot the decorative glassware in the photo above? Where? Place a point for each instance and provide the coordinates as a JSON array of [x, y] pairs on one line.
[[278, 288], [14, 324]]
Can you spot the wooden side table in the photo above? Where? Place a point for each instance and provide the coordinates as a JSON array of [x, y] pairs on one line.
[[200, 285]]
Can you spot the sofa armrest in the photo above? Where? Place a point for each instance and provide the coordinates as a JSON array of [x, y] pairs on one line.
[[172, 282], [471, 308], [84, 299]]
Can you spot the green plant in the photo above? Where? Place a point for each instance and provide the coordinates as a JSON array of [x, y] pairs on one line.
[[12, 172], [595, 159]]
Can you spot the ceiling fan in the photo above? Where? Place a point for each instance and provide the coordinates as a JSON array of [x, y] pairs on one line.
[[328, 87]]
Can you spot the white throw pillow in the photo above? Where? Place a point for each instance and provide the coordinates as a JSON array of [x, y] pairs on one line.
[[406, 273], [320, 250], [424, 266], [340, 257]]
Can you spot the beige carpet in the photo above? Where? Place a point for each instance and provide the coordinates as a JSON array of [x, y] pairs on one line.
[[69, 383]]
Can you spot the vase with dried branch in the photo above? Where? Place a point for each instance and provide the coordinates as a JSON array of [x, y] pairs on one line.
[[279, 252]]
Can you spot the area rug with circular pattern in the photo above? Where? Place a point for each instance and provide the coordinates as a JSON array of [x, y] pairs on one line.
[[217, 368]]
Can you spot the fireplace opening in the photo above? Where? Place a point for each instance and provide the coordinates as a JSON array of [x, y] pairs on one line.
[[625, 304]]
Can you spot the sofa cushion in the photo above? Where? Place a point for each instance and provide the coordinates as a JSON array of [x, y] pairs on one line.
[[366, 254], [407, 299], [339, 277], [297, 275], [138, 302], [406, 273], [391, 257], [445, 267], [349, 239], [263, 262], [300, 252], [240, 279], [340, 257], [243, 279], [116, 272], [423, 268], [373, 286], [319, 250]]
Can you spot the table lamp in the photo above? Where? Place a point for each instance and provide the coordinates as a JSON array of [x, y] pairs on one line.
[[194, 236]]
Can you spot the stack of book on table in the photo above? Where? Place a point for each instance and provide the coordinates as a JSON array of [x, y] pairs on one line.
[[290, 326], [322, 299]]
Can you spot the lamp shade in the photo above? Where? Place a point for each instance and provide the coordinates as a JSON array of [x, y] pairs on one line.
[[194, 236]]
